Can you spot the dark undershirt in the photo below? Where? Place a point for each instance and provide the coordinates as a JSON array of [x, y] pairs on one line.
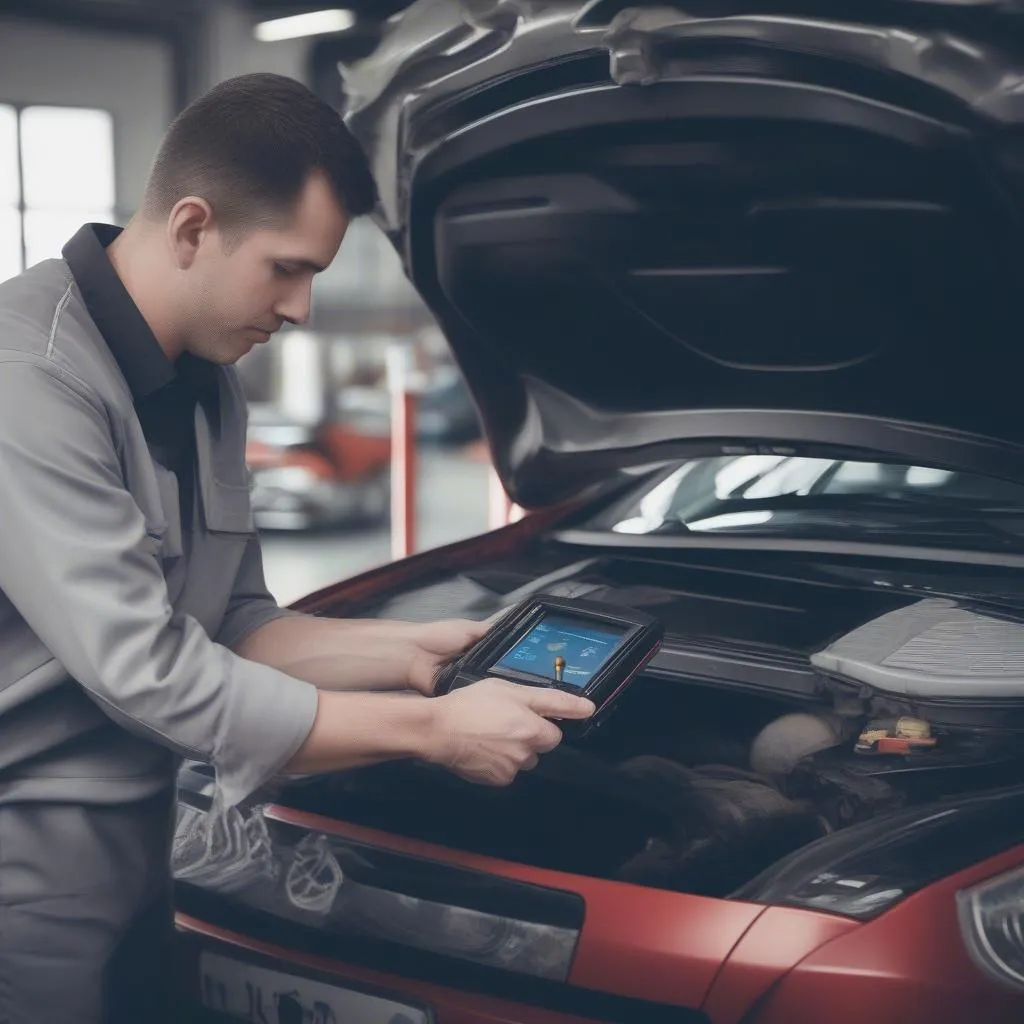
[[165, 393], [168, 421]]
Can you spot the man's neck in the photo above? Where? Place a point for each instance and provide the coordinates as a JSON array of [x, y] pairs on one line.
[[139, 259]]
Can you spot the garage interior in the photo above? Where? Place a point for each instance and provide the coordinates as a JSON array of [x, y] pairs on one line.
[[736, 286], [87, 88]]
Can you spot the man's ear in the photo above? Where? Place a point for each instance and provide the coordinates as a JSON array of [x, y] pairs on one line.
[[189, 223]]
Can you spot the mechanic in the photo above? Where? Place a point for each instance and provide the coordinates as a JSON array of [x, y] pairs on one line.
[[135, 624]]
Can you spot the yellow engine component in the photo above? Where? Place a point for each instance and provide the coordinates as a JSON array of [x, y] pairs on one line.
[[913, 729]]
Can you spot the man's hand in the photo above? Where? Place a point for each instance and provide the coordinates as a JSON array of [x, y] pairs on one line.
[[360, 654], [434, 643], [492, 730]]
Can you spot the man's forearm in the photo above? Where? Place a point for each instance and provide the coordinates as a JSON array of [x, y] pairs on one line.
[[333, 654], [356, 729]]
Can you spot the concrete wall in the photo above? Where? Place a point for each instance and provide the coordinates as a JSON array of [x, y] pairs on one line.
[[231, 49], [367, 274], [131, 76]]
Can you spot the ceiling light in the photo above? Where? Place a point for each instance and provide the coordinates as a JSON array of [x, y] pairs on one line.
[[315, 23]]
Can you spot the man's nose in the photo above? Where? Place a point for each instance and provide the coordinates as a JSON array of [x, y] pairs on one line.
[[294, 307]]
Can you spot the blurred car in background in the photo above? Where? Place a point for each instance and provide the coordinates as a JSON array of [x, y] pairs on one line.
[[325, 474], [445, 413]]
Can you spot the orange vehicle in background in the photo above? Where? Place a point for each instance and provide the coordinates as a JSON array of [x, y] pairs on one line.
[[325, 474]]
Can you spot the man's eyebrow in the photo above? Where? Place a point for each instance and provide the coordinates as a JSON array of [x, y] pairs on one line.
[[305, 264]]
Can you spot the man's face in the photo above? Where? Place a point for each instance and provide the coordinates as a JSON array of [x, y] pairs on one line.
[[239, 294]]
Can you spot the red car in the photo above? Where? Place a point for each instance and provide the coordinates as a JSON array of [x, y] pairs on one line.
[[305, 475], [739, 301]]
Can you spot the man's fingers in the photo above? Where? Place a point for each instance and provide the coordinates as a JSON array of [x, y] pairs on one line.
[[476, 630], [557, 703], [548, 737]]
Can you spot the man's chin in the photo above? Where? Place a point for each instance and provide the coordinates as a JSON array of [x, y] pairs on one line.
[[225, 355]]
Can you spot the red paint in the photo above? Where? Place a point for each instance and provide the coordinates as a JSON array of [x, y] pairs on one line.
[[908, 966], [339, 598], [663, 946], [740, 962], [499, 505], [337, 452], [778, 940], [403, 473], [644, 943], [353, 455]]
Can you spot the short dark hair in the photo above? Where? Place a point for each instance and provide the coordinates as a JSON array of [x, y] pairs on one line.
[[248, 147]]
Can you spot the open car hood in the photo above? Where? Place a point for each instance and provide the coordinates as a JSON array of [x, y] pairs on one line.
[[650, 233]]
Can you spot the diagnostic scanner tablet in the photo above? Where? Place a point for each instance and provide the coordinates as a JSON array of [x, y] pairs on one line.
[[584, 647]]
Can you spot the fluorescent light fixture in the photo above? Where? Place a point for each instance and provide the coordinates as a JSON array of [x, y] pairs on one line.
[[295, 26]]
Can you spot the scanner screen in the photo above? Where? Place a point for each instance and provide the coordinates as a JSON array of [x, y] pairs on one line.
[[564, 649]]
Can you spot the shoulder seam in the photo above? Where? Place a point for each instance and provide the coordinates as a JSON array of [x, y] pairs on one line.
[[56, 319], [60, 374]]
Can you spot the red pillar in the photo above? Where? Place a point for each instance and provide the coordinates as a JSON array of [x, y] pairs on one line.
[[499, 507], [401, 376]]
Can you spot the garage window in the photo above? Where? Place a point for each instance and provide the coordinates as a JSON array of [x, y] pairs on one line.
[[10, 191], [56, 173]]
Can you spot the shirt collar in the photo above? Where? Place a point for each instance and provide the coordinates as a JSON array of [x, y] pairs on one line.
[[132, 343]]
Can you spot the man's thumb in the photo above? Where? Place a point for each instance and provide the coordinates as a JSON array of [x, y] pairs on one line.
[[558, 704]]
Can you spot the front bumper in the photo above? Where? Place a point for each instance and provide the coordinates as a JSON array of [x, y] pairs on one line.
[[356, 995], [643, 956]]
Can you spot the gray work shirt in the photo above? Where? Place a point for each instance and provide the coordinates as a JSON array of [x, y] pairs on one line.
[[117, 618]]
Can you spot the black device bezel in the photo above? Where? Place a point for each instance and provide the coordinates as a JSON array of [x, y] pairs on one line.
[[641, 639]]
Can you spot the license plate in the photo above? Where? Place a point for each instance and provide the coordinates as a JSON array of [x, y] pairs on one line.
[[262, 995]]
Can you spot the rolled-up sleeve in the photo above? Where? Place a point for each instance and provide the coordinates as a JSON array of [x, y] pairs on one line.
[[77, 563]]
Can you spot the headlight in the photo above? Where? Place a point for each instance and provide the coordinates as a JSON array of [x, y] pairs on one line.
[[992, 924], [866, 869], [336, 889]]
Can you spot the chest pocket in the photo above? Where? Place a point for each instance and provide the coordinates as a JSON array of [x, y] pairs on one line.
[[218, 540], [226, 507], [223, 477]]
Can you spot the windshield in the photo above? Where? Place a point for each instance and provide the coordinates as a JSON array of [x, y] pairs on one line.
[[827, 498]]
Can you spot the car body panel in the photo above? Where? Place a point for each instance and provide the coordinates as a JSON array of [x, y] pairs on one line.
[[448, 1006], [801, 227], [910, 964], [644, 953], [906, 966], [673, 959], [774, 944]]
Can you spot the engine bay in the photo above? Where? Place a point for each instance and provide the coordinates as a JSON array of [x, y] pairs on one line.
[[693, 790], [730, 752]]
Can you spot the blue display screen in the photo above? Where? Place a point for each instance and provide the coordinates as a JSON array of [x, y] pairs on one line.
[[563, 649]]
